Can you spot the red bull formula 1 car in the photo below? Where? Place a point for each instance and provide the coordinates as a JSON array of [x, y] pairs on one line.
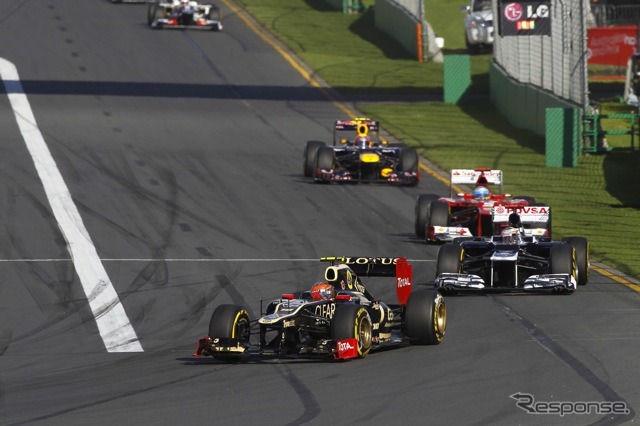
[[182, 14], [359, 154], [337, 319], [441, 219]]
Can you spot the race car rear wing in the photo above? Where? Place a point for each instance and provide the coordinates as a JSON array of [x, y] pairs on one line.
[[397, 267], [478, 176], [536, 220], [354, 124]]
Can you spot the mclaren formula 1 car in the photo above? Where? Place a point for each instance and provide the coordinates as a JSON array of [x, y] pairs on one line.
[[337, 319], [512, 261], [441, 219], [359, 154], [181, 14]]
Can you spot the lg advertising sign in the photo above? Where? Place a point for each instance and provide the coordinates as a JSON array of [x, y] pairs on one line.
[[524, 18]]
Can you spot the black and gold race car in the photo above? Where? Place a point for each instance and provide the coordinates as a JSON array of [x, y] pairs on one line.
[[337, 319], [359, 154]]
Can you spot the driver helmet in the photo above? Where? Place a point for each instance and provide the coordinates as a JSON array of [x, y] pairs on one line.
[[363, 141], [511, 235], [481, 193], [514, 220], [322, 291]]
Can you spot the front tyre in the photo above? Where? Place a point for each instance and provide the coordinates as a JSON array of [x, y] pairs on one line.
[[563, 260], [353, 322], [310, 154], [425, 317], [230, 322], [581, 246], [324, 160], [408, 160], [449, 259], [422, 212]]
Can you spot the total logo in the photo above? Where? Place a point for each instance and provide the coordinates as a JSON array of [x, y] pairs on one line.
[[402, 282], [345, 346]]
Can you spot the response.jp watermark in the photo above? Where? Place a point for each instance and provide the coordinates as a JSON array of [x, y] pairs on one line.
[[527, 402]]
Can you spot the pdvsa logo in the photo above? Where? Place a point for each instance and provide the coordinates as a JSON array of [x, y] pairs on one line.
[[529, 210]]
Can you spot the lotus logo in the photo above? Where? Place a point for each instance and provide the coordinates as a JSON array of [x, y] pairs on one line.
[[344, 346]]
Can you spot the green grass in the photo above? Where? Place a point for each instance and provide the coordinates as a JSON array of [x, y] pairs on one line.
[[599, 199]]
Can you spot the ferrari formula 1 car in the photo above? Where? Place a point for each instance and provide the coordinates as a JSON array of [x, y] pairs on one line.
[[181, 14], [512, 261], [441, 219], [337, 319], [358, 154]]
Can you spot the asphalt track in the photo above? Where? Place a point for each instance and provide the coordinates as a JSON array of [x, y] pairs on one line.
[[182, 152]]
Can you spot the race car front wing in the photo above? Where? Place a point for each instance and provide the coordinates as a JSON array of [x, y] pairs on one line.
[[558, 283], [397, 177], [339, 349]]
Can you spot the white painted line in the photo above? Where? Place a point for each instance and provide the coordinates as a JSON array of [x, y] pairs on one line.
[[192, 260], [113, 324]]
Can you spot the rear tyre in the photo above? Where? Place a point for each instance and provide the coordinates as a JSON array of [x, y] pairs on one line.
[[425, 317], [310, 154], [230, 322], [449, 259], [353, 322], [581, 246], [422, 212], [324, 160]]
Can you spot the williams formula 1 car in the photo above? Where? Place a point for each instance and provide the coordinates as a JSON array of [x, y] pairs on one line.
[[358, 154], [337, 319], [181, 14], [441, 219], [512, 261]]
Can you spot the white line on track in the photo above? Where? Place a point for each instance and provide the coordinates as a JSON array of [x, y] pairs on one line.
[[191, 260], [113, 324]]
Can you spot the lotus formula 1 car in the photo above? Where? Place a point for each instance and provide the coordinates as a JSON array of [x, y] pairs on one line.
[[181, 14], [337, 319], [358, 154], [512, 261], [441, 219]]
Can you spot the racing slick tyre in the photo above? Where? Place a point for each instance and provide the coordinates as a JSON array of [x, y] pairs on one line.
[[230, 322], [581, 246], [154, 12], [449, 259], [324, 160], [408, 160], [563, 260], [422, 212], [438, 214], [425, 317], [353, 322], [310, 154]]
